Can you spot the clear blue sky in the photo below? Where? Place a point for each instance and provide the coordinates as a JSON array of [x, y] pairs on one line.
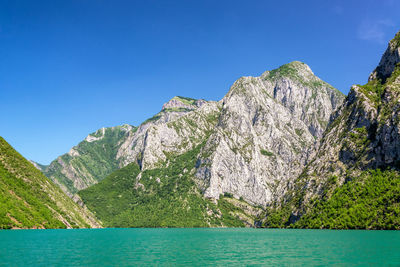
[[68, 68]]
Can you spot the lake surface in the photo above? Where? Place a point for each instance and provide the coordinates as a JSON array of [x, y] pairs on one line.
[[197, 247]]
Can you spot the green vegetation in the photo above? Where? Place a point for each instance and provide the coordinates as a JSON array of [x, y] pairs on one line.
[[96, 159], [266, 153], [228, 212], [370, 201], [395, 74], [292, 71], [373, 91], [161, 197], [299, 132], [277, 215], [226, 194], [177, 109], [13, 210], [356, 142], [28, 199], [359, 136], [287, 70], [396, 40], [186, 100]]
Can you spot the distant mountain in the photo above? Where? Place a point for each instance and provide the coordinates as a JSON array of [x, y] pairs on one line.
[[89, 161], [228, 157], [109, 149], [353, 180], [28, 199]]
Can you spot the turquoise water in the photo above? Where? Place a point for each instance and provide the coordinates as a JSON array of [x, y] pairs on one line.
[[197, 247]]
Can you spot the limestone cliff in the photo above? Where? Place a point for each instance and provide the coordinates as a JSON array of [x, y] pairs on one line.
[[267, 127], [364, 135]]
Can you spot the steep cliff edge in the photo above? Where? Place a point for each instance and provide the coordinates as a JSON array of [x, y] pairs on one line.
[[267, 127], [363, 137]]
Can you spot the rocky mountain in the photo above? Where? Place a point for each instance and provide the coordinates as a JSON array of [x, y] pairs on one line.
[[28, 199], [249, 146], [352, 181], [284, 149], [109, 149], [266, 128]]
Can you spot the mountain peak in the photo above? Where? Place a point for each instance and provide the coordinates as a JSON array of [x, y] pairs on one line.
[[389, 61], [180, 102], [298, 65], [294, 70]]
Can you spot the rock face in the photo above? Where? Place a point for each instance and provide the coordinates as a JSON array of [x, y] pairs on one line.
[[364, 134], [267, 127], [179, 126], [388, 62], [256, 139]]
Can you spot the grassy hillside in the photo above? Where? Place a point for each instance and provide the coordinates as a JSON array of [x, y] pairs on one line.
[[28, 199], [162, 197]]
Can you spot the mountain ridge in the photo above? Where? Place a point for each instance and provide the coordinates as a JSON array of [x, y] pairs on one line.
[[283, 149], [362, 138], [249, 105], [164, 130]]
